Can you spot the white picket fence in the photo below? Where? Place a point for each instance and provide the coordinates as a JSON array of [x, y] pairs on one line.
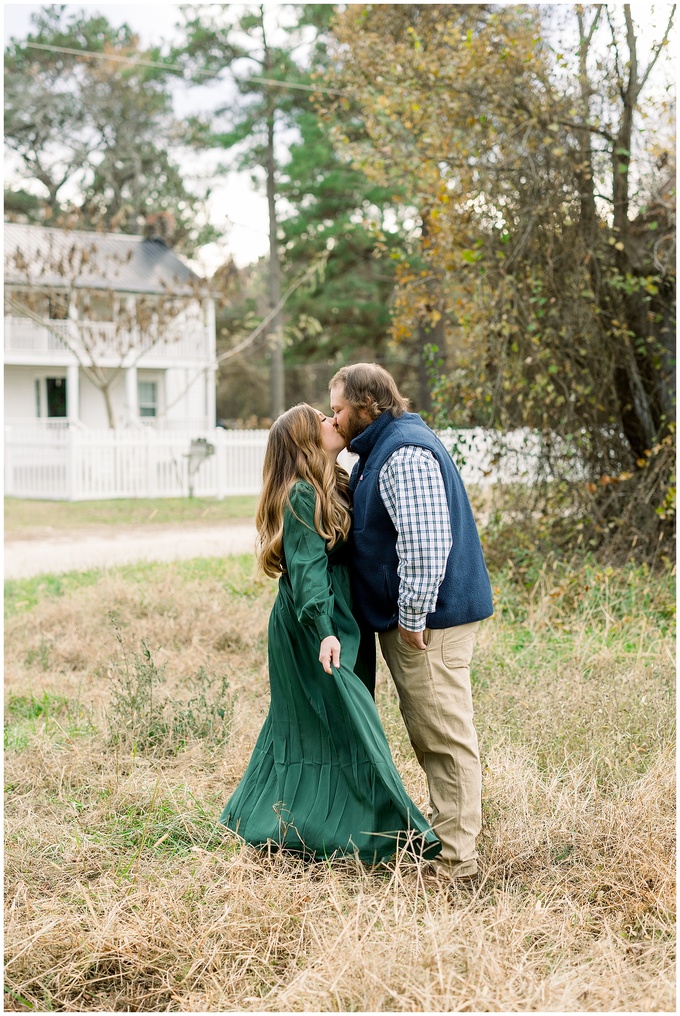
[[67, 463], [86, 465]]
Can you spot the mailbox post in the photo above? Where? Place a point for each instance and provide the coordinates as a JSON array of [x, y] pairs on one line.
[[200, 449]]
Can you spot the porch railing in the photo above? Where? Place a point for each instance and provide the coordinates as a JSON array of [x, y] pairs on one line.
[[22, 335]]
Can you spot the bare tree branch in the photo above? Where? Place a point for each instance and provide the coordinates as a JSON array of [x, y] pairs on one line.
[[593, 27], [607, 135], [250, 339], [657, 51], [255, 334], [617, 65], [632, 87], [92, 372]]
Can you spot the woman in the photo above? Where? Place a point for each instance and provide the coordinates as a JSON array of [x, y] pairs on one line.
[[321, 779]]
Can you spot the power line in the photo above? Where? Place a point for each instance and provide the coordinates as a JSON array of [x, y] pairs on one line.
[[242, 225], [174, 67]]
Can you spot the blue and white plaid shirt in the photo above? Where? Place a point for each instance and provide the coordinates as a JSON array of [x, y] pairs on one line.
[[412, 490]]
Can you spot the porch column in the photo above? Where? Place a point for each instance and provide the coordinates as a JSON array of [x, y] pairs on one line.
[[131, 394], [73, 393], [210, 332], [211, 373], [210, 398]]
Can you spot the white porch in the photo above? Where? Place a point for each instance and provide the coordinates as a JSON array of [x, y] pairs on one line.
[[141, 396]]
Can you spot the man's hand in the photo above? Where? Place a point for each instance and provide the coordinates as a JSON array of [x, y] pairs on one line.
[[413, 638], [329, 652]]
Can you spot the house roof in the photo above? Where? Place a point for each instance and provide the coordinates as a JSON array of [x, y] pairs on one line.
[[43, 256]]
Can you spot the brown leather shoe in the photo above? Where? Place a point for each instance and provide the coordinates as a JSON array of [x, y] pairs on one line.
[[440, 876], [453, 871]]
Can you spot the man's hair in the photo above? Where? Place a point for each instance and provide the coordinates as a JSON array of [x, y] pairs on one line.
[[369, 386]]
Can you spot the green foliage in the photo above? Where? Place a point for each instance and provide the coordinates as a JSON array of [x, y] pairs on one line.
[[325, 207], [102, 128], [144, 720], [250, 125], [336, 208], [534, 250], [19, 202], [217, 38]]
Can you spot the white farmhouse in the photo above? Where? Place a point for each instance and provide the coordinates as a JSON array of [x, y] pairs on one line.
[[105, 330]]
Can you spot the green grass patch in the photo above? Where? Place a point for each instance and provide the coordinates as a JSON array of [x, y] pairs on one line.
[[162, 828], [580, 662], [22, 595], [32, 707], [577, 593], [22, 515], [47, 716], [235, 571]]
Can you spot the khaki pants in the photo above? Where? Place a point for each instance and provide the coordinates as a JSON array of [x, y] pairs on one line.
[[436, 703]]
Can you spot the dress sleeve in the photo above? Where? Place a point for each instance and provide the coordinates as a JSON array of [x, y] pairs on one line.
[[304, 550]]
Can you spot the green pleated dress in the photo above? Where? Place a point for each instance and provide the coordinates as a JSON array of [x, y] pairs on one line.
[[321, 779]]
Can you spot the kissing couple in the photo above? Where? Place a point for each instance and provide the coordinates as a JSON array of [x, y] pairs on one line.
[[393, 549]]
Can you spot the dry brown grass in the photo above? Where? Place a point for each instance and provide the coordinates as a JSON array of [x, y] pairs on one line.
[[123, 894]]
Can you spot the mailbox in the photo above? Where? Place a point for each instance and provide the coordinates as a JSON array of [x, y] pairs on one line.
[[200, 449]]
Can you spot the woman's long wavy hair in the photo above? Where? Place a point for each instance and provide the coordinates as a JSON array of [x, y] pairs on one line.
[[295, 452]]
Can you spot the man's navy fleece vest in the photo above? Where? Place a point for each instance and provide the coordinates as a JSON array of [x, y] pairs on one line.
[[465, 593]]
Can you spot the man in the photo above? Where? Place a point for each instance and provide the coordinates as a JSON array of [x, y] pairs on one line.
[[420, 581]]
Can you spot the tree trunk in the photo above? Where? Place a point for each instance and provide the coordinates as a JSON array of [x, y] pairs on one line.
[[589, 219], [634, 381], [432, 335], [111, 416], [277, 383]]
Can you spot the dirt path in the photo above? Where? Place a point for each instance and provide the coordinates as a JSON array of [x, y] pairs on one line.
[[101, 546]]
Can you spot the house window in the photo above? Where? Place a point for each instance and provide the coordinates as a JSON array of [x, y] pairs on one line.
[[147, 398], [57, 307], [97, 306], [37, 398], [55, 391], [22, 304]]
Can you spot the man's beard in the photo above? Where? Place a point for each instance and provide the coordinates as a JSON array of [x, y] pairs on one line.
[[355, 426]]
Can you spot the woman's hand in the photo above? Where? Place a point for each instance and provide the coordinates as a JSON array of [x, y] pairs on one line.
[[329, 652]]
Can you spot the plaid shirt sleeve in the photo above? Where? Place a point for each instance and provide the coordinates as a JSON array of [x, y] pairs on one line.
[[412, 490]]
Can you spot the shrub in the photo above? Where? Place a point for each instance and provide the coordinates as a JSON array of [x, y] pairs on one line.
[[144, 716]]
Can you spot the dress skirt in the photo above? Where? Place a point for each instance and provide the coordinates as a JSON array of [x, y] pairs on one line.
[[321, 779]]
